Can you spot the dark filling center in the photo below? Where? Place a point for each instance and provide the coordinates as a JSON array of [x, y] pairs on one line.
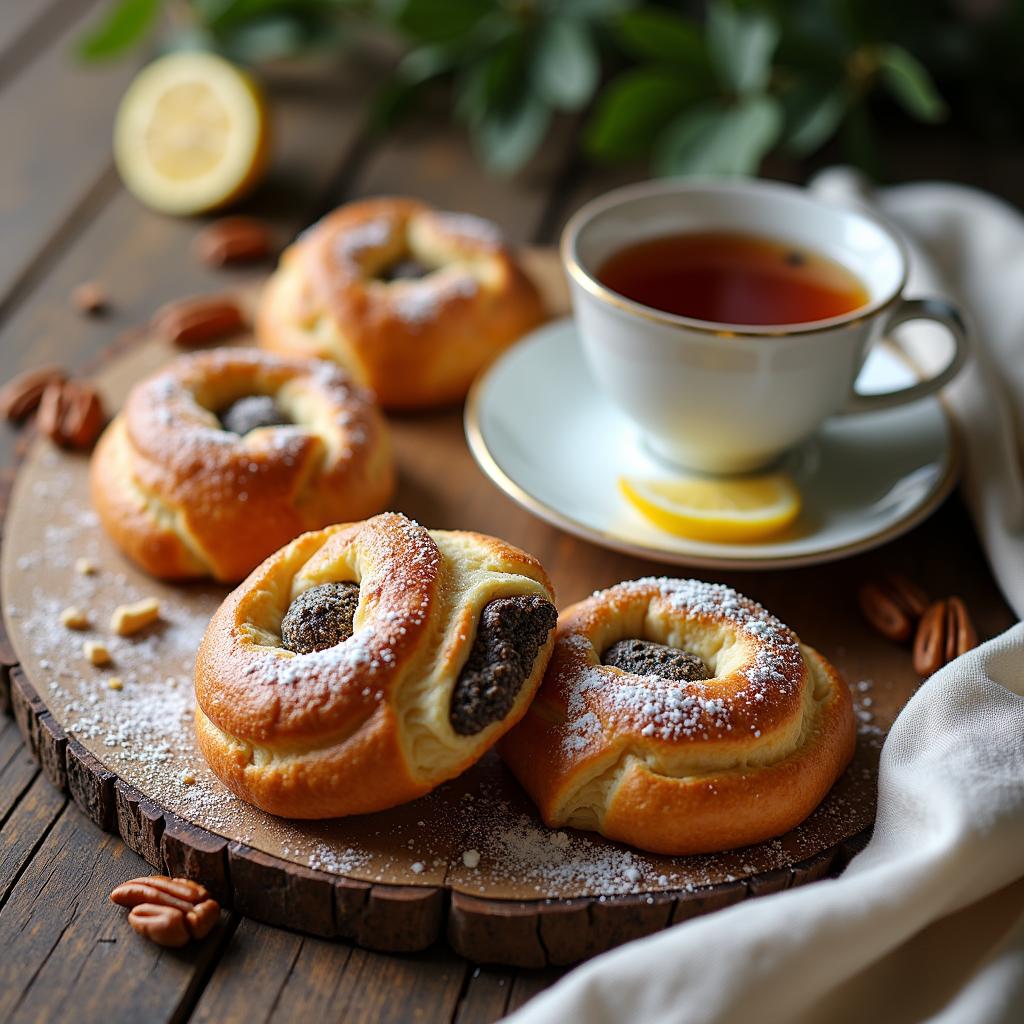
[[320, 617], [511, 632], [251, 412], [645, 658], [405, 268]]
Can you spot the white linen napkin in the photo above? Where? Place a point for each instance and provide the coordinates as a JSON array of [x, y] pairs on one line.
[[927, 923]]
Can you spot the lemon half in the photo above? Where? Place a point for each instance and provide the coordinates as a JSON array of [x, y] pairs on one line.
[[191, 133], [725, 510]]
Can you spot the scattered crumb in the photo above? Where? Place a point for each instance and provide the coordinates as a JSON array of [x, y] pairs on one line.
[[418, 867], [96, 652], [115, 683], [89, 297], [130, 618], [74, 618], [188, 779], [85, 567], [471, 858]]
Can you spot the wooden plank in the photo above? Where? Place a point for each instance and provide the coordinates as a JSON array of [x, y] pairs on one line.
[[17, 766], [485, 997], [23, 830], [28, 28], [66, 951], [57, 116], [528, 984], [382, 989], [272, 975], [247, 980]]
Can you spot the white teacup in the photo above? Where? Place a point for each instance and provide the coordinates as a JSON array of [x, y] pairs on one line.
[[730, 398]]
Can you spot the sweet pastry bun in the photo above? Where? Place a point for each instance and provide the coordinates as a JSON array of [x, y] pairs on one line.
[[681, 717], [221, 457], [413, 301], [366, 663]]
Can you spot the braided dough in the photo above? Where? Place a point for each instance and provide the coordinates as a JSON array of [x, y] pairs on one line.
[[416, 342], [369, 722], [680, 767], [185, 497]]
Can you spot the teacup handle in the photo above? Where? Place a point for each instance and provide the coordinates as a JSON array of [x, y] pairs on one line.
[[939, 311]]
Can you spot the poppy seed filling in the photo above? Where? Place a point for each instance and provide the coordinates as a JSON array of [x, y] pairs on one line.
[[511, 632], [407, 269], [251, 412], [646, 658], [320, 617]]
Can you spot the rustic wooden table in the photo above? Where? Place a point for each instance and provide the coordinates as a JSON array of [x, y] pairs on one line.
[[64, 950]]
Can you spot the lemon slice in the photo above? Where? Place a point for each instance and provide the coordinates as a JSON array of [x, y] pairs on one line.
[[191, 133], [725, 510]]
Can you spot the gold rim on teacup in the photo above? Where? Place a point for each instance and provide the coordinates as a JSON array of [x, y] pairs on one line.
[[619, 196]]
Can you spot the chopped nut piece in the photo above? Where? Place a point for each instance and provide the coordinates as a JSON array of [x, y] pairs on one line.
[[89, 298], [115, 683], [96, 652], [130, 618], [74, 618], [188, 779], [85, 567]]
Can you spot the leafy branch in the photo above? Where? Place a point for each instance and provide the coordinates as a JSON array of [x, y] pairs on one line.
[[708, 95]]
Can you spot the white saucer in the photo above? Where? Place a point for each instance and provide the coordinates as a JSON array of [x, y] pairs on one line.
[[541, 430]]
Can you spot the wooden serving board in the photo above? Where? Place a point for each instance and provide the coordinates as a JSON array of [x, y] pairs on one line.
[[395, 880]]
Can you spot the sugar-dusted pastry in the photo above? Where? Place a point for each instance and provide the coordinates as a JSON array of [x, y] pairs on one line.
[[364, 664], [221, 457], [681, 717], [413, 301]]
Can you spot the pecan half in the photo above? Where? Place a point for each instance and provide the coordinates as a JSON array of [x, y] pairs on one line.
[[20, 397], [182, 893], [168, 911], [71, 414], [961, 636], [944, 633], [893, 605], [166, 926], [234, 240], [189, 323]]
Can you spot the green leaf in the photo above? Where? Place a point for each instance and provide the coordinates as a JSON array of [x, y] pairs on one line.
[[587, 8], [813, 115], [741, 45], [907, 80], [632, 110], [565, 64], [426, 62], [123, 25], [507, 140], [652, 33], [712, 140], [492, 83], [434, 21]]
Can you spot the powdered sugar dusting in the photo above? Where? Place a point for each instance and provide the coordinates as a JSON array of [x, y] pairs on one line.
[[144, 733], [599, 699], [420, 302]]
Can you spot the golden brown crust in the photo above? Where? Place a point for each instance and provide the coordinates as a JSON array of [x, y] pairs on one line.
[[415, 343], [185, 498], [682, 768], [363, 725]]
